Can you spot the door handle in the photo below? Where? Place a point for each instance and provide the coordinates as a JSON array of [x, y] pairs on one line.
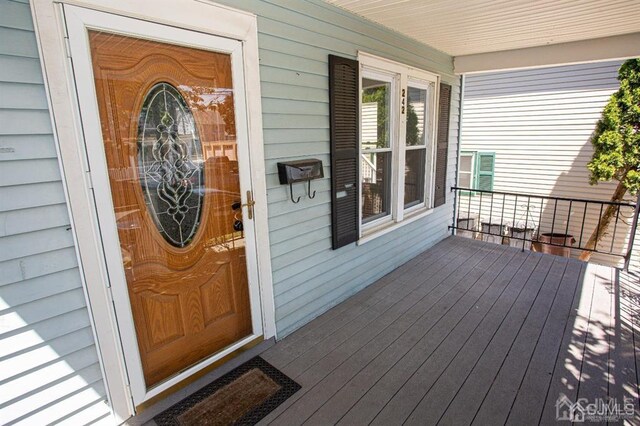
[[249, 205]]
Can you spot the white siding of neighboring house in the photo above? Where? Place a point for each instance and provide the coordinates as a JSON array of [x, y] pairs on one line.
[[538, 122], [49, 370]]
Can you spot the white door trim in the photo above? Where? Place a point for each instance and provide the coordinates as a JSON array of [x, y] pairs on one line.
[[204, 19]]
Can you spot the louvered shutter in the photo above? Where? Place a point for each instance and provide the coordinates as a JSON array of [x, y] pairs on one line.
[[442, 141], [484, 170], [343, 104]]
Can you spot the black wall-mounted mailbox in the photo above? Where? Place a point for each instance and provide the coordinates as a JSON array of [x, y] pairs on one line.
[[300, 171]]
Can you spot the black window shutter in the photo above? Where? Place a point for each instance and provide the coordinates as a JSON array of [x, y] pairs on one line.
[[442, 140], [344, 82]]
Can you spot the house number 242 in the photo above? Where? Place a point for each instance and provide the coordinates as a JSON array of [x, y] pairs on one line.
[[404, 97]]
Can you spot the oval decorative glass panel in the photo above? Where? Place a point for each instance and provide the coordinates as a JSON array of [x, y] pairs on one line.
[[171, 164]]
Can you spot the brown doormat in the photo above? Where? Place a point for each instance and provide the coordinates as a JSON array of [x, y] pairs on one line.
[[243, 396]]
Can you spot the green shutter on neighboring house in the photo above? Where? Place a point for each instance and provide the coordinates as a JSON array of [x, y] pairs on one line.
[[485, 165]]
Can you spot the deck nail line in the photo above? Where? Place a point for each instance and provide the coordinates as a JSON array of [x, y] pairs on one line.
[[466, 252], [437, 321], [586, 332], [516, 335], [500, 252], [472, 332], [413, 275], [583, 270], [454, 255], [457, 352], [445, 337], [415, 303], [376, 293], [548, 314], [496, 249], [535, 263]]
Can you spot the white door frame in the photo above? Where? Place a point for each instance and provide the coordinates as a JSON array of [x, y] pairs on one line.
[[195, 23]]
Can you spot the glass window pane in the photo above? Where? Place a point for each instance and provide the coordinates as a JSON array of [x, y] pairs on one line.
[[465, 163], [376, 185], [375, 114], [414, 177], [465, 180], [416, 114]]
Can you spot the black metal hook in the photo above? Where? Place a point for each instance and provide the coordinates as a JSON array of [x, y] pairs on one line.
[[309, 191], [291, 190]]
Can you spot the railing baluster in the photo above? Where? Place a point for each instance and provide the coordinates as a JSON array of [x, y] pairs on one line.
[[540, 218], [526, 223], [595, 247], [469, 208], [566, 231], [515, 209], [553, 221], [615, 228], [480, 213], [584, 218], [504, 200], [491, 210]]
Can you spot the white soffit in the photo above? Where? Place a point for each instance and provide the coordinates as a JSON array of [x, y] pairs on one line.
[[474, 27]]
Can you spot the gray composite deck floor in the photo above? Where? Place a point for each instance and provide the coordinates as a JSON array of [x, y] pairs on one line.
[[466, 333]]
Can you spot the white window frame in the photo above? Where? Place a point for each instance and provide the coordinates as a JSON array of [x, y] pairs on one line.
[[473, 155], [401, 76]]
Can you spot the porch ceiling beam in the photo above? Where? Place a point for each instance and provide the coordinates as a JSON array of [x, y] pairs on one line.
[[599, 49]]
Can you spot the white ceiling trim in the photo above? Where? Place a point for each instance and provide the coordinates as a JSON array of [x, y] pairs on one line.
[[470, 27], [601, 49]]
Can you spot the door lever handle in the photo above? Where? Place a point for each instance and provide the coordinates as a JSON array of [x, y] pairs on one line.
[[249, 205]]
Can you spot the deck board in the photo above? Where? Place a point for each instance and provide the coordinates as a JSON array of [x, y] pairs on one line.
[[467, 332]]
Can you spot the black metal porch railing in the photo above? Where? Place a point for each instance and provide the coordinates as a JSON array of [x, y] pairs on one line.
[[544, 223]]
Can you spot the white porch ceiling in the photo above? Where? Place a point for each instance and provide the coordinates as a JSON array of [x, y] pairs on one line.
[[470, 27]]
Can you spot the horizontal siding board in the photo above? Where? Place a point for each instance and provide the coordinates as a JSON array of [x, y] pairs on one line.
[[39, 310], [24, 122], [23, 245], [14, 69], [16, 15], [295, 136], [288, 106], [34, 219], [31, 195], [284, 60], [37, 265], [38, 334], [30, 290], [56, 349], [18, 43], [46, 375], [59, 394], [29, 171], [283, 150], [26, 147], [22, 96]]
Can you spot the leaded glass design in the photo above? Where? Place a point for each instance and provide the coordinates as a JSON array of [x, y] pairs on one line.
[[170, 162]]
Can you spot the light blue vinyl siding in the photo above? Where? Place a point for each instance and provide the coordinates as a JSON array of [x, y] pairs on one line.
[[49, 368], [295, 39], [48, 362]]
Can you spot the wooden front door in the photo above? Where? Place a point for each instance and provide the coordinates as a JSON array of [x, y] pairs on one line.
[[168, 124]]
